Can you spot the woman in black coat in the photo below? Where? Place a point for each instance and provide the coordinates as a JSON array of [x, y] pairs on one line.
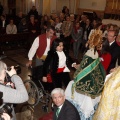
[[57, 64]]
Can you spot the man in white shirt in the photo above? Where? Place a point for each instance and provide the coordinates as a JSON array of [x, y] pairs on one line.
[[41, 46]]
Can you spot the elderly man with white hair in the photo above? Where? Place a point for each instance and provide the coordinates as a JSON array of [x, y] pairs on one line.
[[63, 110]]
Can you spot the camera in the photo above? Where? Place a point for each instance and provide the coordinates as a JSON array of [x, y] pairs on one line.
[[5, 108], [18, 71], [17, 68]]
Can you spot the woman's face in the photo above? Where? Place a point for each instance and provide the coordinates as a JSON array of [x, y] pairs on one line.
[[2, 76], [57, 20], [32, 19], [45, 18], [11, 22], [67, 18], [111, 27], [100, 47], [60, 47], [77, 25], [87, 21]]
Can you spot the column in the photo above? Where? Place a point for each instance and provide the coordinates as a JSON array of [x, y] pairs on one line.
[[5, 5], [46, 7], [77, 6], [53, 6], [72, 6], [18, 6]]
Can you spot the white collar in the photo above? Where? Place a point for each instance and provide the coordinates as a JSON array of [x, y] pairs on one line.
[[111, 43], [60, 106]]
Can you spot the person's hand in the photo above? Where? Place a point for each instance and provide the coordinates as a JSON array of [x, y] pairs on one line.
[[86, 45], [44, 79], [75, 40], [33, 31], [112, 70], [77, 66], [74, 65], [5, 116], [45, 27], [29, 63], [11, 72]]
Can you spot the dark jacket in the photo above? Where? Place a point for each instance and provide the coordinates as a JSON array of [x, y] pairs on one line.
[[115, 53], [67, 112], [87, 29], [52, 62], [6, 23], [33, 12]]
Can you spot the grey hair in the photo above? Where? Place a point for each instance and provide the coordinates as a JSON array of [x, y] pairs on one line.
[[2, 66], [58, 90]]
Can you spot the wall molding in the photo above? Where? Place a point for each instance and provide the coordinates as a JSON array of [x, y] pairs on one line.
[[100, 13]]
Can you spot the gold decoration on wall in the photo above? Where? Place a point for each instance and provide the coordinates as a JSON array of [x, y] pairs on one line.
[[113, 8]]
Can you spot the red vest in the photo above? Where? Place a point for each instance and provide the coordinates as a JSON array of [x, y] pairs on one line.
[[43, 44]]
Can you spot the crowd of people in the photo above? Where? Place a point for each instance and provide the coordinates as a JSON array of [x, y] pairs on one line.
[[100, 45]]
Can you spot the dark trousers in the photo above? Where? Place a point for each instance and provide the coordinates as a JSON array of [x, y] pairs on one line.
[[37, 78], [61, 78]]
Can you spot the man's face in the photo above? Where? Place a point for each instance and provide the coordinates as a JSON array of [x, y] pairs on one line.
[[111, 36], [33, 8], [58, 99], [50, 33], [68, 18]]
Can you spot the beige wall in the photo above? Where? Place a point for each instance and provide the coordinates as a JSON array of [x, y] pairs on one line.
[[46, 7], [93, 4], [61, 3], [52, 6], [72, 6]]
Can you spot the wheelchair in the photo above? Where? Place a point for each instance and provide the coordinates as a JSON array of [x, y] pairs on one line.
[[35, 89]]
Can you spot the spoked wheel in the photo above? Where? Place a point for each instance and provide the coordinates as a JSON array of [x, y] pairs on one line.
[[33, 92], [26, 112]]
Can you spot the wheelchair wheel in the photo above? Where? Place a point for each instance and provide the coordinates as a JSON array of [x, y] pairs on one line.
[[33, 92], [26, 112]]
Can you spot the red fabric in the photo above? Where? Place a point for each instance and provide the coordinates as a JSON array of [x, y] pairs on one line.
[[72, 41], [48, 116], [60, 70], [49, 78], [106, 60], [118, 43], [43, 44]]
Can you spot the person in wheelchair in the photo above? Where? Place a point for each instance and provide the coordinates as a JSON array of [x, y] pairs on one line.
[[56, 63], [18, 94]]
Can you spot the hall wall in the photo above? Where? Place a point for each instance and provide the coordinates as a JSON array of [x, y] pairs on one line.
[[55, 6]]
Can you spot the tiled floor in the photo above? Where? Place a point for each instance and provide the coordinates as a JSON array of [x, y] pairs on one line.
[[19, 57]]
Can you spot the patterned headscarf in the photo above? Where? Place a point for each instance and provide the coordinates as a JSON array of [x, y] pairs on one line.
[[95, 39]]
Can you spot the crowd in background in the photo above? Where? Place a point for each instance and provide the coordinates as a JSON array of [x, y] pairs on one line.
[[75, 31]]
